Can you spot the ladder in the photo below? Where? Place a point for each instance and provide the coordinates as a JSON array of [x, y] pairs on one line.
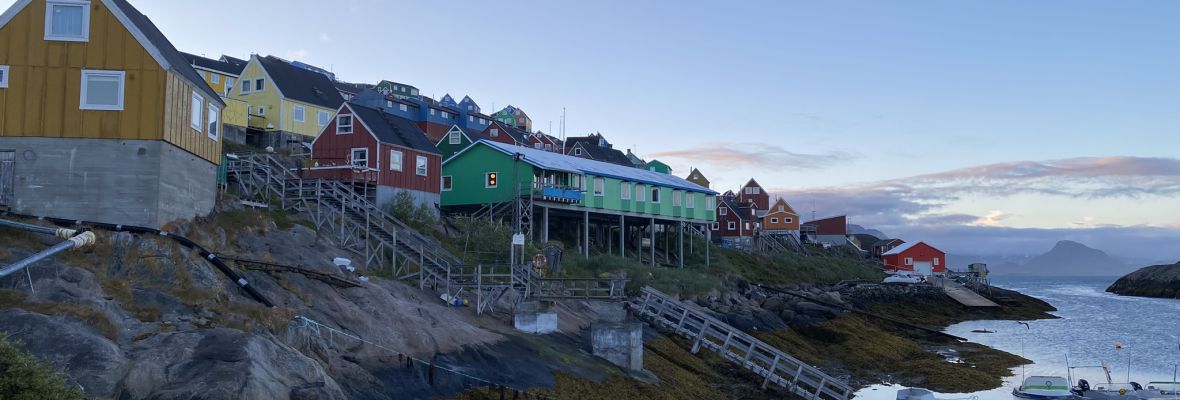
[[768, 362]]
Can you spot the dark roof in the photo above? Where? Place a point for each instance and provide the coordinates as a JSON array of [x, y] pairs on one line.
[[517, 134], [176, 60], [599, 153], [394, 130], [300, 84], [234, 60], [885, 242], [209, 63], [737, 208], [354, 88]]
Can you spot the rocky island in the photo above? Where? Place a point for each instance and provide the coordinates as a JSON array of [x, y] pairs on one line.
[[1161, 281]]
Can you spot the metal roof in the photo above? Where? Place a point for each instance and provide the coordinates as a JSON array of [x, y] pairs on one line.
[[899, 249], [561, 162]]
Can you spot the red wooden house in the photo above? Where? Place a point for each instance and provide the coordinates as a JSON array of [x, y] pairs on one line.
[[831, 231], [883, 246], [507, 134], [917, 257], [735, 221], [753, 193], [373, 149]]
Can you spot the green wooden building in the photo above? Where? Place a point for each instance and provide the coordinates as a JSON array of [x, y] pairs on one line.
[[659, 166], [622, 205]]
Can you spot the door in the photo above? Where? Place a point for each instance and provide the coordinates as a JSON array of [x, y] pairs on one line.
[[7, 165], [924, 268]]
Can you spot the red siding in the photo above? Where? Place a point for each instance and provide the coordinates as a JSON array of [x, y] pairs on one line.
[[920, 252], [831, 226], [434, 132], [761, 200], [502, 137], [332, 149], [734, 216]]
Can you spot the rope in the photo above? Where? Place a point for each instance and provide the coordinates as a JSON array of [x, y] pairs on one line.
[[317, 327]]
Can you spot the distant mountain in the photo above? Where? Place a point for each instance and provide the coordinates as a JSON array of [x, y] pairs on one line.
[[855, 229], [1154, 281], [1069, 258]]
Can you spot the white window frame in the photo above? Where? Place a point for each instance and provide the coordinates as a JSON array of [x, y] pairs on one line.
[[495, 132], [788, 220], [246, 86], [747, 226], [578, 151], [640, 192], [487, 179], [403, 107], [352, 156], [196, 108], [624, 190], [676, 198], [259, 85], [399, 157], [213, 129], [85, 20], [261, 110], [599, 186], [421, 165], [323, 117], [4, 76], [442, 183], [214, 78], [909, 261], [298, 113], [774, 220], [935, 261], [690, 200], [102, 107], [470, 118], [731, 225], [351, 124], [710, 202], [723, 211], [445, 114], [454, 137], [715, 226]]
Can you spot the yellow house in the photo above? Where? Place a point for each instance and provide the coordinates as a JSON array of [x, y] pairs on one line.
[[287, 105], [698, 178], [222, 76], [101, 118]]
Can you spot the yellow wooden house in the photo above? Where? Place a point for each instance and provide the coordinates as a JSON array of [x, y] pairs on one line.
[[222, 76], [698, 178], [781, 219], [101, 118], [288, 105]]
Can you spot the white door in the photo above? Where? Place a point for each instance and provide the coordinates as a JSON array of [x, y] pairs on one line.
[[923, 268]]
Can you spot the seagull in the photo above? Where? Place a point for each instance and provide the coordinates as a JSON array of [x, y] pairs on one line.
[[1026, 326]]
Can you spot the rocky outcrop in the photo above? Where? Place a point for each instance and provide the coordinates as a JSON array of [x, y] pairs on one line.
[[1154, 281]]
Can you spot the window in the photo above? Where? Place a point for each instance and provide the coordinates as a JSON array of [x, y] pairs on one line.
[[195, 119], [724, 210], [454, 137], [909, 261], [3, 76], [935, 260], [297, 113], [229, 84], [262, 111], [343, 124], [548, 147], [469, 117], [640, 193], [213, 123], [259, 85], [395, 160], [388, 103], [676, 194], [788, 220], [710, 202], [713, 225], [420, 165], [446, 115], [578, 151], [774, 220], [655, 195], [731, 225], [103, 90], [431, 111], [752, 190], [214, 78], [495, 132], [245, 87], [403, 107], [491, 180], [624, 190], [446, 183], [782, 208], [598, 184], [537, 146], [360, 157], [692, 200], [322, 118], [67, 20]]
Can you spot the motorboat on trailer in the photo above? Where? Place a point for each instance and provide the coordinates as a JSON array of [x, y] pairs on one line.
[[1041, 387]]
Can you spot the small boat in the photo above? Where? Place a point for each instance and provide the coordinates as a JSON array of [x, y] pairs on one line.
[[1044, 388], [1161, 391], [915, 394], [1108, 391]]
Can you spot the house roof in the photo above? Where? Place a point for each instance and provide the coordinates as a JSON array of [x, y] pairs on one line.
[[391, 129], [520, 136], [787, 209], [600, 153], [902, 248], [216, 65], [885, 242], [354, 88], [301, 84], [561, 162], [174, 59], [234, 60], [737, 208]]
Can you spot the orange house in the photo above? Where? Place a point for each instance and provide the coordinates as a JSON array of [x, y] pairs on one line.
[[781, 219]]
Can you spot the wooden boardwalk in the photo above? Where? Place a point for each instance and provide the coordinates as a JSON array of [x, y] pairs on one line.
[[961, 294]]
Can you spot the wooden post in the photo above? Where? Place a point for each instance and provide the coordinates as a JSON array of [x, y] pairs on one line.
[[622, 236], [696, 345], [770, 372], [680, 242], [545, 222], [586, 234], [652, 250], [708, 244]]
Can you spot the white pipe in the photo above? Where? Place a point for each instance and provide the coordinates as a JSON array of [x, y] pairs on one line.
[[76, 242]]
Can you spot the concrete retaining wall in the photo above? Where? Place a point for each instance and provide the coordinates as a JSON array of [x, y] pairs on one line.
[[132, 182], [386, 194]]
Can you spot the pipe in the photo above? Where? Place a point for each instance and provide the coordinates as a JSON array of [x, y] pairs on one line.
[[82, 240], [59, 232]]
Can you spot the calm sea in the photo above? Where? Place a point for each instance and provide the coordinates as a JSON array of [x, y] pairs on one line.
[[1092, 322]]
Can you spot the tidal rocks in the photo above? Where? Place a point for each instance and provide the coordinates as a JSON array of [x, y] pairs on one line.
[[1154, 281]]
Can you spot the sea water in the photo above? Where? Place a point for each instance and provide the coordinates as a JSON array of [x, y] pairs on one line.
[[1094, 326]]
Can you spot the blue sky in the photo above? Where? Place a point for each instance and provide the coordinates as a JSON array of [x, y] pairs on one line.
[[837, 105]]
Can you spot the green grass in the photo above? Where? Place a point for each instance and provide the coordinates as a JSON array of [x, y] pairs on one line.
[[23, 376], [88, 315], [796, 268], [686, 281]]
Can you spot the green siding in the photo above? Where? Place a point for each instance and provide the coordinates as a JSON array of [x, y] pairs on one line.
[[447, 149], [468, 169]]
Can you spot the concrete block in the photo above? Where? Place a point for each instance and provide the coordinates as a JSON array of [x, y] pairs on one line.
[[620, 343], [533, 317], [608, 311]]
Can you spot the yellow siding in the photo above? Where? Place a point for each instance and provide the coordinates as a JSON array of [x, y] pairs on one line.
[[310, 125], [234, 113], [45, 80], [268, 98], [178, 131], [222, 80]]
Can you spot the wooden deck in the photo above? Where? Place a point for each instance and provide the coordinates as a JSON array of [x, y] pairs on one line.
[[961, 294]]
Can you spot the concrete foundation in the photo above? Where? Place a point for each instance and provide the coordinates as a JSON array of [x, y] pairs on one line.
[[533, 317], [621, 343], [386, 194], [130, 182]]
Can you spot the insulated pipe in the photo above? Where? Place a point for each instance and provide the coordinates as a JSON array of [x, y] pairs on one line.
[[59, 232], [85, 239]]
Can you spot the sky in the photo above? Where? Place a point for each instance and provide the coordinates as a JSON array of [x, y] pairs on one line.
[[980, 127]]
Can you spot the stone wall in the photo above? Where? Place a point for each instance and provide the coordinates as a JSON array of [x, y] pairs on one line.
[[131, 182]]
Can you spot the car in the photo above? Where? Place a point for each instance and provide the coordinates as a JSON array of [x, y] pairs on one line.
[[904, 279]]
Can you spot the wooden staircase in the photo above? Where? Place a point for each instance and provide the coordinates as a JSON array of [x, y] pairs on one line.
[[773, 365]]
